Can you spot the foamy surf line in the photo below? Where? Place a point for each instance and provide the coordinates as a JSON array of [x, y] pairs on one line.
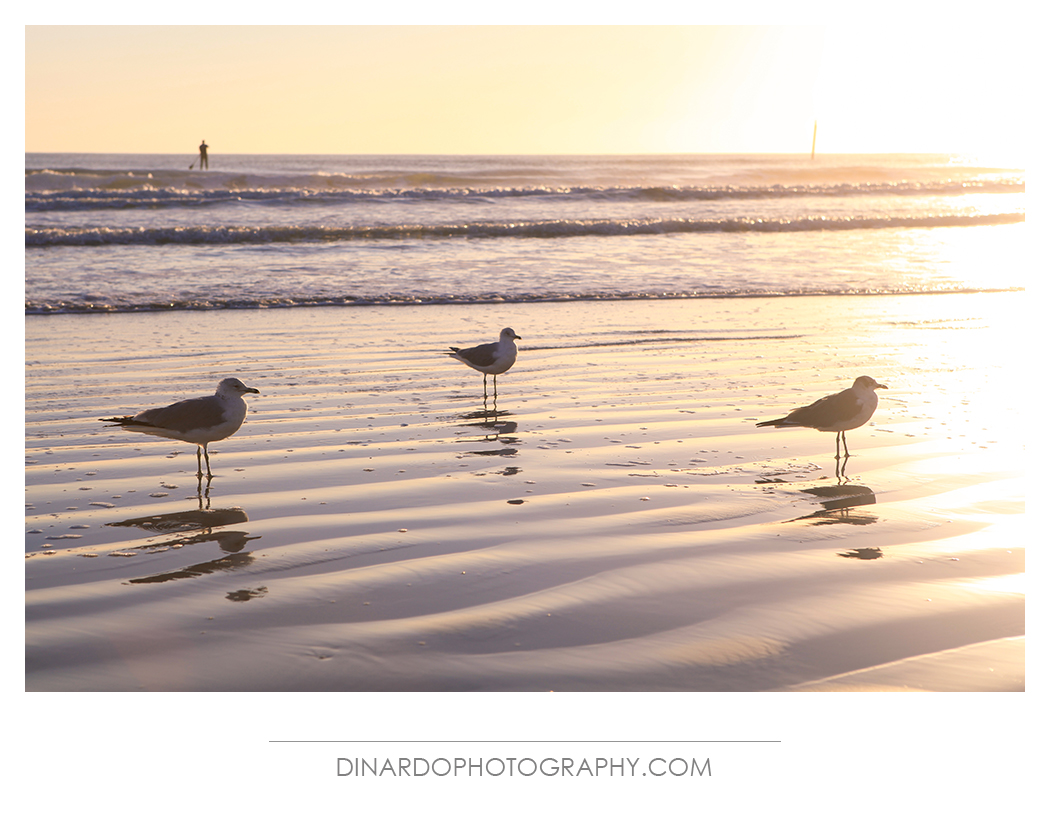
[[615, 522], [489, 298], [36, 237], [122, 190]]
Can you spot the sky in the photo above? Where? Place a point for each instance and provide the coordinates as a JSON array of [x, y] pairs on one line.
[[509, 89]]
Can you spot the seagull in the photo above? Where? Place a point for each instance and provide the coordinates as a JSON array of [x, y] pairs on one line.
[[850, 408], [201, 420], [490, 358]]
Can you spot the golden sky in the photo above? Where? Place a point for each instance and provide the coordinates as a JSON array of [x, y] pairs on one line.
[[523, 89]]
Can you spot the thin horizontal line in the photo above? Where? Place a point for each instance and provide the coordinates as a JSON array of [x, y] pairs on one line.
[[525, 741]]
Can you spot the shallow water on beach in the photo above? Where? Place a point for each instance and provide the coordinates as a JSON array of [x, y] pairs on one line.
[[613, 521]]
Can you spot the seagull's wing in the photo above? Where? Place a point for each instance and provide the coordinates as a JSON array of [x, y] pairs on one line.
[[484, 355], [184, 416], [827, 411]]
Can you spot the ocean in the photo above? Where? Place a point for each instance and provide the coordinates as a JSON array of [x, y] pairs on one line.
[[132, 233]]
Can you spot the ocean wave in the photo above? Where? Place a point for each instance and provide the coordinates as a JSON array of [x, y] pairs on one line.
[[60, 307], [560, 228], [130, 190]]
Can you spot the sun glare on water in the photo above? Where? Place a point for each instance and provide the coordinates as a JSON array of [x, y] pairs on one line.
[[991, 257]]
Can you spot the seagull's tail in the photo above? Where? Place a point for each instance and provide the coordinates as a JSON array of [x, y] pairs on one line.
[[123, 421], [779, 423]]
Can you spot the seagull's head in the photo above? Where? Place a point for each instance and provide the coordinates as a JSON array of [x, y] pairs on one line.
[[231, 385], [509, 334], [865, 382]]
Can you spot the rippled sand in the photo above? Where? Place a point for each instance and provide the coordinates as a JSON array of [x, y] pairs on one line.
[[614, 522]]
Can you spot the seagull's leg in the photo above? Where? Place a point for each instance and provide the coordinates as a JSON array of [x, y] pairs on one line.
[[206, 460], [842, 475], [837, 435], [199, 471]]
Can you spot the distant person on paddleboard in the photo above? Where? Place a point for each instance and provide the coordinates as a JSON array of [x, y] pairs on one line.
[[204, 155]]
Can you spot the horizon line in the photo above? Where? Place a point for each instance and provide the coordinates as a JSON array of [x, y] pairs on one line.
[[596, 153]]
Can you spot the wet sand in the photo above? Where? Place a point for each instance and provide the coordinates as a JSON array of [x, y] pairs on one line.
[[614, 522]]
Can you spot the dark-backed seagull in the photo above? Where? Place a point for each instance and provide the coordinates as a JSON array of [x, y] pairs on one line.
[[201, 420], [490, 358], [850, 408]]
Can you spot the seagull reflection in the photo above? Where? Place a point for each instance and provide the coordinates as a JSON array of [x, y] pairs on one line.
[[486, 419], [502, 431], [497, 433], [846, 516], [205, 521], [863, 553], [229, 562], [486, 415], [492, 431], [495, 452], [833, 497], [838, 502], [246, 595], [181, 521]]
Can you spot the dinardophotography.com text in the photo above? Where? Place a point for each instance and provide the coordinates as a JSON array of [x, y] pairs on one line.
[[522, 767]]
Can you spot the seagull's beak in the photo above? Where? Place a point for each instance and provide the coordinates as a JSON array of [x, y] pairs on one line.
[[880, 386], [256, 391], [517, 337]]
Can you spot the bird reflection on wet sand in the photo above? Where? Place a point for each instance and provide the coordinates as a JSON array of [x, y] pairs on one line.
[[838, 502], [863, 553], [204, 521], [493, 430], [181, 521], [228, 540], [486, 415]]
